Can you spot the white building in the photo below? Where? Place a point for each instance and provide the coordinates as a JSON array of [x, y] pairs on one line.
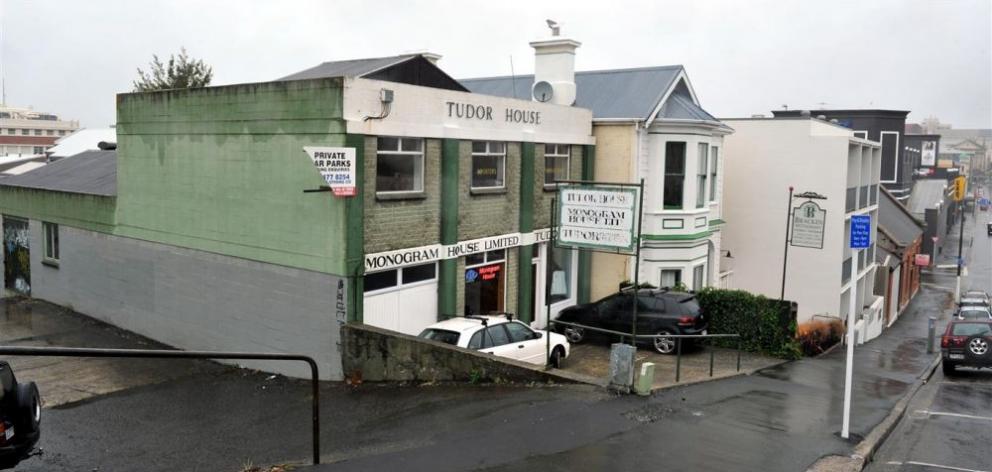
[[25, 132], [767, 157]]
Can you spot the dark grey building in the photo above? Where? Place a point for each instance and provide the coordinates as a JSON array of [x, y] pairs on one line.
[[886, 127]]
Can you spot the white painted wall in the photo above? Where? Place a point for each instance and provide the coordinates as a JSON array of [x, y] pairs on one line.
[[762, 159]]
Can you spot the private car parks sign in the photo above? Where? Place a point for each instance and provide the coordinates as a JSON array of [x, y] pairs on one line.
[[598, 217]]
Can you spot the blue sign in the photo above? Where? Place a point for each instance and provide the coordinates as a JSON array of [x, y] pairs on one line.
[[471, 275], [860, 231]]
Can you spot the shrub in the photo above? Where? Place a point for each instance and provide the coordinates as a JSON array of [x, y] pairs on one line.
[[817, 336], [766, 326]]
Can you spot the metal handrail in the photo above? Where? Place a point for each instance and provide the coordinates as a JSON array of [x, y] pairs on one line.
[[678, 337], [166, 354]]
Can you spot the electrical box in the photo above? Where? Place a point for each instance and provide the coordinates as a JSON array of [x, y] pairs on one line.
[[386, 96], [621, 367], [645, 379]]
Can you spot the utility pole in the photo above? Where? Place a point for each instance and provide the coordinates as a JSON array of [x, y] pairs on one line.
[[959, 189]]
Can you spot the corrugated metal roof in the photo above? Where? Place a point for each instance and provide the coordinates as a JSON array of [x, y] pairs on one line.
[[350, 68], [619, 93], [90, 172], [896, 219], [926, 193]]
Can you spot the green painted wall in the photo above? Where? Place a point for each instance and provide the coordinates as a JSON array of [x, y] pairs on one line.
[[525, 277], [222, 169], [90, 212], [447, 303], [585, 257]]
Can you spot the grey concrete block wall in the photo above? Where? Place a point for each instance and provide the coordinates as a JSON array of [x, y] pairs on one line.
[[195, 300], [398, 224], [375, 354]]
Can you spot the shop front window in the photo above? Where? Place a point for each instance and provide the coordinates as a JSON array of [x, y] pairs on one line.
[[556, 163], [560, 274], [485, 282], [674, 174], [488, 164], [399, 165]]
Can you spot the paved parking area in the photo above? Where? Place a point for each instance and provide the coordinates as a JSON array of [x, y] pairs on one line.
[[62, 380], [593, 359]]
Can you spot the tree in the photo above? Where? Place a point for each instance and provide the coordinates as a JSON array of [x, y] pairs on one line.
[[178, 73]]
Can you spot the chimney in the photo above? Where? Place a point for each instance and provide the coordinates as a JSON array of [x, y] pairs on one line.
[[554, 68]]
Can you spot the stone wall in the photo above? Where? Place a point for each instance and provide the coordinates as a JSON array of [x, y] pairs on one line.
[[375, 354]]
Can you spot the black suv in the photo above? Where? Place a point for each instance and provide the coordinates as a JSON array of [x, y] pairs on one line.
[[966, 343], [20, 417], [659, 311]]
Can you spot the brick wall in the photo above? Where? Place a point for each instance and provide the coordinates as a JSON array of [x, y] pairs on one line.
[[397, 224], [542, 196]]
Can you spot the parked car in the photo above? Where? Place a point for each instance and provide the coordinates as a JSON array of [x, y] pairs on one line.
[[500, 335], [975, 297], [659, 311], [966, 343], [974, 312], [20, 418]]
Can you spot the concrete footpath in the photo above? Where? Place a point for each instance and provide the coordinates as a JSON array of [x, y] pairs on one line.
[[782, 418]]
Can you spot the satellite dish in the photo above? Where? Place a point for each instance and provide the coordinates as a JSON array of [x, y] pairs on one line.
[[542, 91]]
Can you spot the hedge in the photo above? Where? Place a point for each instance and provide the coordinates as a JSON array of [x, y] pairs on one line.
[[766, 326]]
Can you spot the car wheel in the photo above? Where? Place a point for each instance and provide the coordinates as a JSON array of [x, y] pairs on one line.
[[575, 335], [664, 345], [948, 368], [28, 414], [977, 348], [557, 357]]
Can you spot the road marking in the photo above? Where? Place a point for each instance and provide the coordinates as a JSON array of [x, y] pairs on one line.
[[956, 415], [945, 467]]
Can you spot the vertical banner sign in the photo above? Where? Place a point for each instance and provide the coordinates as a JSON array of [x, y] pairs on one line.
[[337, 166], [598, 217], [928, 155], [808, 223], [860, 231]]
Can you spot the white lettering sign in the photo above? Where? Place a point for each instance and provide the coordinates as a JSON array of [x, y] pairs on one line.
[[337, 167], [928, 155], [808, 222], [597, 217], [425, 254]]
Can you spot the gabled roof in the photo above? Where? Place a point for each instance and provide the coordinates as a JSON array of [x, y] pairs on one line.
[[612, 94], [91, 172], [412, 69], [896, 220]]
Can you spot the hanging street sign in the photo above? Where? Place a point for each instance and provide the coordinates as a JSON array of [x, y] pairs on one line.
[[337, 166], [808, 223], [860, 231], [598, 217]]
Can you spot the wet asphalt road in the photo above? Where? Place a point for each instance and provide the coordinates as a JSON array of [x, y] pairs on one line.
[[948, 425]]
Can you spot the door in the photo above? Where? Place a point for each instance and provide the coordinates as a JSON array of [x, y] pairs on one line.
[[529, 347], [614, 313], [16, 255], [484, 289], [496, 341]]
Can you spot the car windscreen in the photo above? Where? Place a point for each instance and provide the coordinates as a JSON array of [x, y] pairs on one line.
[[970, 329], [442, 335], [979, 314]]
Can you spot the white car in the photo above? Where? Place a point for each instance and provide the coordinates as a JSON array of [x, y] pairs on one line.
[[975, 297], [501, 336], [974, 312]]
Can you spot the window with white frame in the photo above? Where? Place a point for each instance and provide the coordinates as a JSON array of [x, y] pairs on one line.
[[674, 175], [51, 241], [556, 162], [488, 164], [714, 166], [671, 277], [698, 277], [702, 160], [399, 165]]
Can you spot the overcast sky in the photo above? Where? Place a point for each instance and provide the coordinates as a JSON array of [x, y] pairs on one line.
[[743, 57]]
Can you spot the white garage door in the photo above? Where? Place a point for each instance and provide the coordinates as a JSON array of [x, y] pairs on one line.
[[403, 300]]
